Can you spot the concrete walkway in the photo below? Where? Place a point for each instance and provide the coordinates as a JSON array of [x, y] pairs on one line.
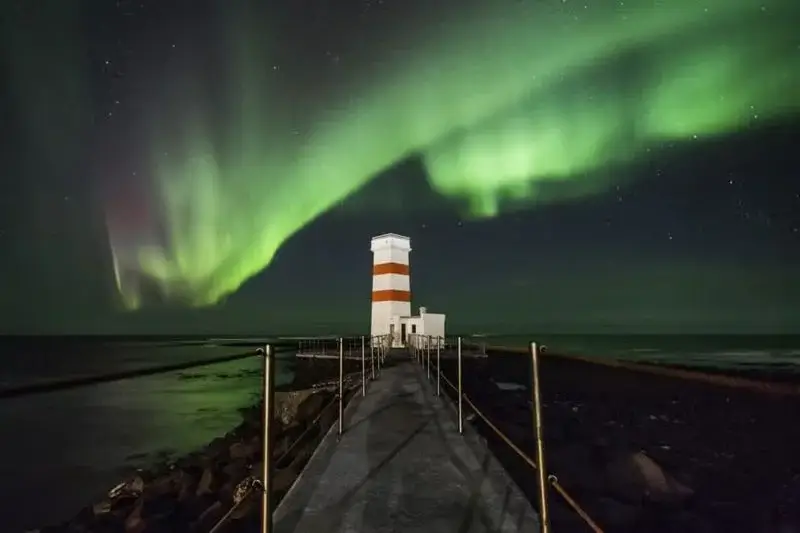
[[401, 466]]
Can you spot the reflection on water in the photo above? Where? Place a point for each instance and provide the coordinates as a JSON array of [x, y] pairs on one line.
[[64, 450]]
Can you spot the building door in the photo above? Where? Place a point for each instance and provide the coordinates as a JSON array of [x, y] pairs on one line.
[[403, 332], [391, 335]]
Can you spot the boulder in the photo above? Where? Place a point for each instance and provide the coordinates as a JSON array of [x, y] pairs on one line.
[[635, 477], [164, 484], [310, 407], [207, 481], [245, 449], [246, 498], [131, 487], [101, 508], [135, 522], [187, 486], [210, 516], [235, 470], [287, 403]]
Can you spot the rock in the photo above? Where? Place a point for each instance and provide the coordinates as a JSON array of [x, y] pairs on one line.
[[235, 471], [101, 508], [135, 523], [187, 485], [163, 484], [309, 408], [244, 449], [206, 482], [225, 492], [287, 404], [159, 507], [210, 516], [217, 447], [131, 487], [246, 497], [636, 478]]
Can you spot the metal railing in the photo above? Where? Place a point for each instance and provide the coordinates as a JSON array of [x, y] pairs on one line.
[[328, 348], [420, 347]]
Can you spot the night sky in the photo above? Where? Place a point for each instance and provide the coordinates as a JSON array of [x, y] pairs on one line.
[[219, 167]]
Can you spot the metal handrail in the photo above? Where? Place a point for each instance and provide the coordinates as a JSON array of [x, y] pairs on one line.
[[551, 479], [246, 488]]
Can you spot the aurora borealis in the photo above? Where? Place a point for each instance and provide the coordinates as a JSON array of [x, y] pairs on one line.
[[240, 140], [499, 101]]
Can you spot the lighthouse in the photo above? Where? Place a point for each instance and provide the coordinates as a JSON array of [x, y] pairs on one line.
[[391, 293]]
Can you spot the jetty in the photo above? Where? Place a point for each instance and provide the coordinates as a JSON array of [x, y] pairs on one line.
[[401, 464]]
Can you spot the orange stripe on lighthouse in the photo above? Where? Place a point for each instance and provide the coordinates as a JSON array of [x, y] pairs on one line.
[[390, 268], [391, 296]]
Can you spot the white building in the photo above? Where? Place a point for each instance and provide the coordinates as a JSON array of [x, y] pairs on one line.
[[391, 294]]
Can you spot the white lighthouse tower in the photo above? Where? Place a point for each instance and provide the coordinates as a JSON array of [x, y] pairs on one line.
[[391, 285]]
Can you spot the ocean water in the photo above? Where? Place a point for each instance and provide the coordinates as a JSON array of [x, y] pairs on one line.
[[63, 450], [759, 353]]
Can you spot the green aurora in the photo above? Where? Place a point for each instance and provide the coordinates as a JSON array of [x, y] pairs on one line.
[[496, 101]]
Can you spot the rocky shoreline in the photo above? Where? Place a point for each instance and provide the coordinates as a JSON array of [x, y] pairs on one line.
[[645, 452], [194, 492]]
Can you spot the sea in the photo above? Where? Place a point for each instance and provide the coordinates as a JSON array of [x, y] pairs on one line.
[[760, 355], [63, 450]]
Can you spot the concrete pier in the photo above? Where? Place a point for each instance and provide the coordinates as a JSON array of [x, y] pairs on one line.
[[401, 466]]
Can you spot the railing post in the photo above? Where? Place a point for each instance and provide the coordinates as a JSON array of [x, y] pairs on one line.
[[269, 408], [438, 365], [537, 424], [428, 355], [372, 364], [363, 368], [341, 383], [372, 352], [460, 393]]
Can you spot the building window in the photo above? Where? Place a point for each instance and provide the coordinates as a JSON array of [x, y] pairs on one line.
[[413, 328]]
